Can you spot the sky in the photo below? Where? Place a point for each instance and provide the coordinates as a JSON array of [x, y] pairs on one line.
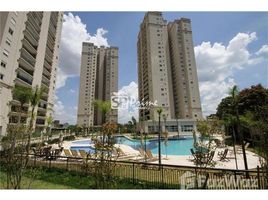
[[231, 48]]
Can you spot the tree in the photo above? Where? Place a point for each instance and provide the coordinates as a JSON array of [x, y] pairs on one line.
[[234, 103], [102, 167], [252, 99], [165, 134], [15, 143], [103, 106], [134, 123]]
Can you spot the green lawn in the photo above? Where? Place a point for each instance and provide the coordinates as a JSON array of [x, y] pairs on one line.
[[60, 179]]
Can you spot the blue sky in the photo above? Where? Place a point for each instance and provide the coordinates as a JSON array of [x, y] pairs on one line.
[[234, 38]]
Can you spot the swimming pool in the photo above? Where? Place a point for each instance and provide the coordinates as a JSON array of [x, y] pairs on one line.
[[179, 146]]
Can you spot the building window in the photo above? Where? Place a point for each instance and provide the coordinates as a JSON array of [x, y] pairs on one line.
[[8, 42], [10, 31], [5, 52], [187, 128], [13, 21], [3, 64], [172, 128], [1, 76]]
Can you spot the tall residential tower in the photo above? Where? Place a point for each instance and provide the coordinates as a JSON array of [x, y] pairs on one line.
[[29, 51], [98, 81], [167, 69]]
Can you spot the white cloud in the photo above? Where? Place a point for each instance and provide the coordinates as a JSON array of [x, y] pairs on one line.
[[131, 91], [72, 91], [74, 32], [216, 64], [263, 50], [64, 114]]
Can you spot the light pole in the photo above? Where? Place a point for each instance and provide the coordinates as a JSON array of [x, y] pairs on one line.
[[159, 111], [177, 120]]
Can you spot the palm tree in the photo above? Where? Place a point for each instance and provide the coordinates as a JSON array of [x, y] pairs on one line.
[[229, 121], [49, 123], [105, 108], [23, 95], [234, 97], [35, 97], [134, 122], [159, 111], [165, 120]]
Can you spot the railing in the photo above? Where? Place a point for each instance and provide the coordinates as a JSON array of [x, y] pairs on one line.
[[163, 176]]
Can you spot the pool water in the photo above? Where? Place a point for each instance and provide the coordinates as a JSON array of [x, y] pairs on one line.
[[179, 146]]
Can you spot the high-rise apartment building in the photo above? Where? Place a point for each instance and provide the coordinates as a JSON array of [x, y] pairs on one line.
[[29, 52], [154, 78], [185, 85], [98, 81], [167, 69]]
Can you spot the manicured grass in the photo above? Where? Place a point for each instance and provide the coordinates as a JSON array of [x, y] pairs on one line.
[[59, 179]]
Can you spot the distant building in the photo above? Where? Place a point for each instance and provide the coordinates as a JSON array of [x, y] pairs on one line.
[[56, 124], [98, 80], [167, 69], [29, 54]]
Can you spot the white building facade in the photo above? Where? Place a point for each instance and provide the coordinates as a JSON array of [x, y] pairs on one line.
[[29, 54]]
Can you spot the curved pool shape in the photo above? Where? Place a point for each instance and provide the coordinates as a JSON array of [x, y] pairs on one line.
[[179, 146]]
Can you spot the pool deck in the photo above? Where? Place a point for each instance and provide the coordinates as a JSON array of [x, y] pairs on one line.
[[253, 160]]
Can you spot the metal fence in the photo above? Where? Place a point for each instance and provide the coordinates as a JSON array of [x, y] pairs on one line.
[[163, 176]]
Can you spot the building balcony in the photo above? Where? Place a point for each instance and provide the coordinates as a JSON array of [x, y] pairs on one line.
[[16, 113], [30, 27], [25, 74], [47, 66], [41, 113], [46, 73], [45, 81], [51, 39], [23, 82], [25, 65], [27, 45], [49, 53], [31, 38], [41, 109], [24, 77], [27, 56], [34, 21], [46, 78], [40, 121], [52, 29], [38, 16], [46, 87], [42, 105], [17, 103], [50, 44], [48, 59], [54, 18]]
